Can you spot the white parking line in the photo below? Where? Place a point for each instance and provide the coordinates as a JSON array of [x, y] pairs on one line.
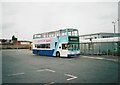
[[52, 82], [99, 58], [50, 70], [45, 70], [40, 70], [49, 83], [115, 60], [73, 77], [16, 74]]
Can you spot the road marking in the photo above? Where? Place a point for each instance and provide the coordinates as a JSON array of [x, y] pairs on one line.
[[115, 60], [49, 83], [45, 70], [94, 57], [73, 77], [99, 58], [52, 82], [40, 70], [50, 70], [16, 74]]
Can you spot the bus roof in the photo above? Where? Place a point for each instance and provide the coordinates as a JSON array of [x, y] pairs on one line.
[[56, 31]]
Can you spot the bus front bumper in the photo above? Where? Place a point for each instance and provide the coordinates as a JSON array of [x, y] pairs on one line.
[[73, 55]]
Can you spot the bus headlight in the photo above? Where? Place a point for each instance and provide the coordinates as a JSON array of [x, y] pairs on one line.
[[72, 52], [78, 52]]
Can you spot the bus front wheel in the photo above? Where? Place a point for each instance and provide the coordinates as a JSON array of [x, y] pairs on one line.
[[57, 54]]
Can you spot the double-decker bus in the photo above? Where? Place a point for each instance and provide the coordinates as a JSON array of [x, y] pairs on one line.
[[61, 43]]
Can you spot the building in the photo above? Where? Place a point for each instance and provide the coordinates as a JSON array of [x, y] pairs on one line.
[[14, 43], [11, 44], [100, 44]]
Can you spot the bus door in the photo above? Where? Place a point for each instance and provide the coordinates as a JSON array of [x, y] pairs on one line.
[[64, 49]]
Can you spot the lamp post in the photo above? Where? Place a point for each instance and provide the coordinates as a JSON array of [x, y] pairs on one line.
[[17, 40], [98, 46], [91, 49], [114, 22]]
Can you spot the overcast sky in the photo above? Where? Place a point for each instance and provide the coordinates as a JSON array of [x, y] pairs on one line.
[[23, 19]]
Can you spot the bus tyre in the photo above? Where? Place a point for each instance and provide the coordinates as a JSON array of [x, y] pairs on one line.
[[57, 54]]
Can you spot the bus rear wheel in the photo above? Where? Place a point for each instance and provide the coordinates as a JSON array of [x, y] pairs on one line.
[[57, 54]]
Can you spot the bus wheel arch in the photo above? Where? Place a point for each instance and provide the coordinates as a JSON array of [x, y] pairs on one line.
[[57, 54]]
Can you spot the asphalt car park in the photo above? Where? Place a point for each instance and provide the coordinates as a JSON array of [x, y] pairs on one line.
[[21, 66]]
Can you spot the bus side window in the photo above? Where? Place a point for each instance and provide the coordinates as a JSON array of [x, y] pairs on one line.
[[48, 45], [35, 45], [55, 44]]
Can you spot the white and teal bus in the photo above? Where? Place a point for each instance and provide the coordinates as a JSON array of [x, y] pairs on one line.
[[61, 43]]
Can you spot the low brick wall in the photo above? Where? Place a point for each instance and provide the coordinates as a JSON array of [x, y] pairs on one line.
[[15, 47]]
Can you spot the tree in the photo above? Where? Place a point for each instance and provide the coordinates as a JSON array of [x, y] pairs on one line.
[[3, 40], [14, 39]]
